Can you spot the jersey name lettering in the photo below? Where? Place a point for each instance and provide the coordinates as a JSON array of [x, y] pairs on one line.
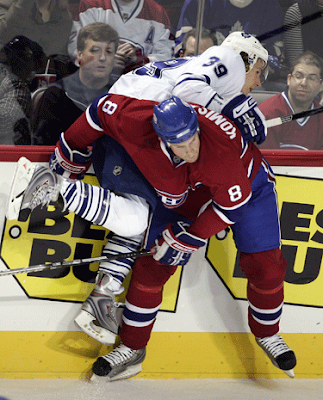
[[219, 120]]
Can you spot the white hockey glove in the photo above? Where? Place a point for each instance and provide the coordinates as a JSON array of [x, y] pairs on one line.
[[176, 245], [71, 164], [243, 111]]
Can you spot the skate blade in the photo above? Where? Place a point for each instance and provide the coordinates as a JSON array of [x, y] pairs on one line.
[[127, 373], [22, 176], [85, 322], [289, 372]]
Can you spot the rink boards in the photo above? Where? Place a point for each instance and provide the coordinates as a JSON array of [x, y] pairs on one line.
[[201, 331]]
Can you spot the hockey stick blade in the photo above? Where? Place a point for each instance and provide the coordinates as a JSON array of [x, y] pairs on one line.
[[288, 118], [81, 261]]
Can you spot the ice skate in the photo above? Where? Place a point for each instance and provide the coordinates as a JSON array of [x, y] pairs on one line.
[[32, 185], [121, 363], [97, 317], [279, 353]]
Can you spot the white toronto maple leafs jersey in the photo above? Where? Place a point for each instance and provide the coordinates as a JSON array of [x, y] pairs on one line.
[[210, 79]]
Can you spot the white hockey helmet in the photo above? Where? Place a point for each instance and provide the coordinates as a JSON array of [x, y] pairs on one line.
[[246, 43]]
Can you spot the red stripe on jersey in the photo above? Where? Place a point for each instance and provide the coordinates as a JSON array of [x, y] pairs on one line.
[[154, 11], [105, 4]]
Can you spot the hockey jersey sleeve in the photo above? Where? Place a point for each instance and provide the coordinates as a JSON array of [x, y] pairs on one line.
[[213, 220], [102, 117], [215, 77], [164, 43], [226, 167], [220, 212], [164, 47]]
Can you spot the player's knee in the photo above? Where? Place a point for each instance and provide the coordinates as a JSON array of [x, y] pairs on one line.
[[132, 226], [148, 272], [128, 215], [264, 269]]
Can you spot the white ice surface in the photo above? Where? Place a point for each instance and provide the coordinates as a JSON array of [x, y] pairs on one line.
[[172, 389]]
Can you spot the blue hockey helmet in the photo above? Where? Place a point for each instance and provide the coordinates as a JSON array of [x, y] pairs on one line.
[[174, 120]]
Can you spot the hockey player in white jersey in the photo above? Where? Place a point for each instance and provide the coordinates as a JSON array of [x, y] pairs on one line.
[[220, 79]]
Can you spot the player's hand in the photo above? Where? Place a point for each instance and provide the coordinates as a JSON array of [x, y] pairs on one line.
[[71, 164], [175, 245], [243, 111]]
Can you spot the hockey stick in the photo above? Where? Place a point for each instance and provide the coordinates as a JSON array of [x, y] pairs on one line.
[[81, 261], [287, 118]]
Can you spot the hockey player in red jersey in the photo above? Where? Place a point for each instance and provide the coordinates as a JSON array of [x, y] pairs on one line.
[[207, 178], [198, 149]]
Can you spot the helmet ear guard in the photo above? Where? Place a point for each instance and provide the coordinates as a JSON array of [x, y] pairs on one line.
[[175, 120]]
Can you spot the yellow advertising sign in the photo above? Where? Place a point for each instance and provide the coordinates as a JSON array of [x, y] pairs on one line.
[[48, 236], [301, 215]]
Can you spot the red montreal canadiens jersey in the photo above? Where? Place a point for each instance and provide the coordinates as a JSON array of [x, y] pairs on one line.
[[301, 134], [225, 167]]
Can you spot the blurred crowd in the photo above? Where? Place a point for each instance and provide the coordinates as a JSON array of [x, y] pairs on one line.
[[57, 56]]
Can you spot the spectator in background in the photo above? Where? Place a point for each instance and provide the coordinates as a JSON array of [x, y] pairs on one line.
[[257, 17], [303, 28], [303, 85], [189, 40], [64, 101], [285, 4], [46, 22], [19, 61], [143, 27]]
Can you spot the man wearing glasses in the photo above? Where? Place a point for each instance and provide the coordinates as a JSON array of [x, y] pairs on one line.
[[303, 87]]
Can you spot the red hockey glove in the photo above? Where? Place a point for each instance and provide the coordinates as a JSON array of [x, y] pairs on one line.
[[176, 245], [71, 164]]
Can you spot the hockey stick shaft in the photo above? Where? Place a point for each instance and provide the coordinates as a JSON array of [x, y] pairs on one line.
[[72, 263], [288, 118]]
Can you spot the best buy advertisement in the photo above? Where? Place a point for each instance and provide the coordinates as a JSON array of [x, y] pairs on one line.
[[301, 216], [50, 235]]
